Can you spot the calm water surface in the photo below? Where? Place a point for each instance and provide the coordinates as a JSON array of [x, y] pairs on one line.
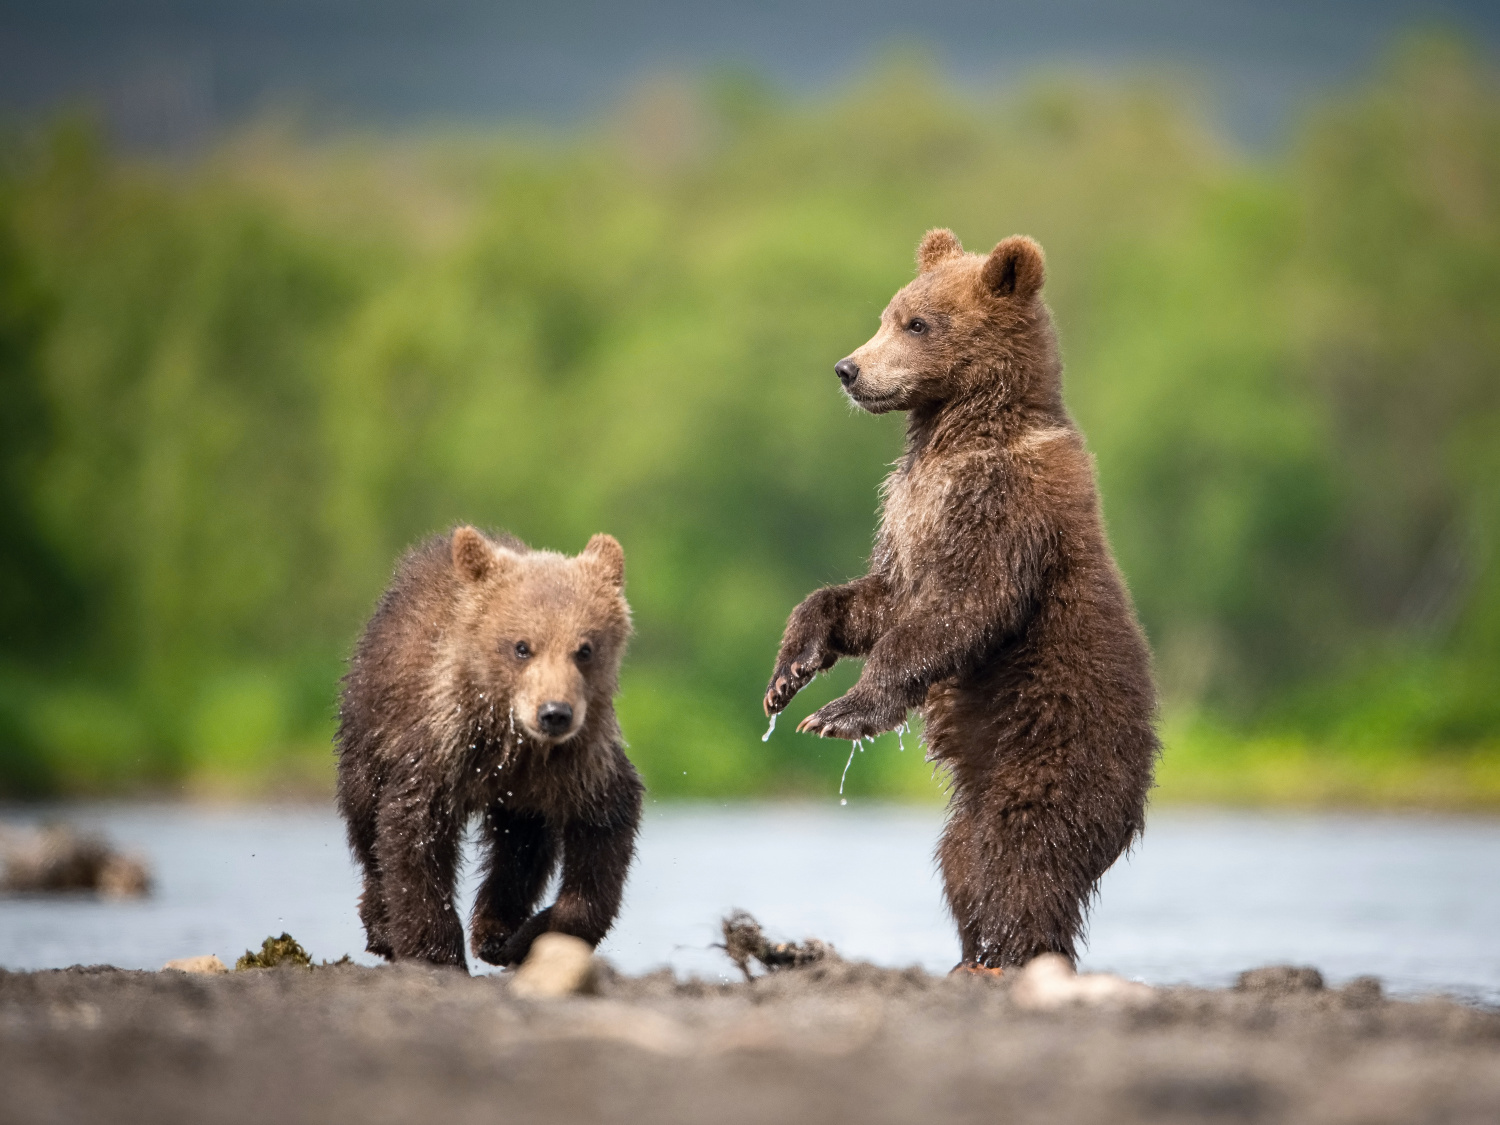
[[1411, 899]]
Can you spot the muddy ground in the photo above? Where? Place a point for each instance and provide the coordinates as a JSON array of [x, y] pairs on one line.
[[832, 1042]]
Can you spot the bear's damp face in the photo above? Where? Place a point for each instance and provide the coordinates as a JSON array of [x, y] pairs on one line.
[[550, 632], [907, 362], [938, 327]]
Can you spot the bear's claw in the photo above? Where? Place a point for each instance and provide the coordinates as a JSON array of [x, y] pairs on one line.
[[786, 682], [853, 717]]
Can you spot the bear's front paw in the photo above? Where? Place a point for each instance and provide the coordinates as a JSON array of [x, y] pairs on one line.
[[786, 682], [491, 947], [381, 948], [794, 674], [513, 950], [855, 715]]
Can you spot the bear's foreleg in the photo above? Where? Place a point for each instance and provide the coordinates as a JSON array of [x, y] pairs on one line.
[[907, 658], [596, 855], [358, 800], [968, 601], [927, 641], [520, 854], [416, 847], [830, 623], [372, 914]]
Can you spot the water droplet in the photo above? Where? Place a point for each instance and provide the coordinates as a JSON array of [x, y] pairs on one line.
[[767, 736], [843, 800], [859, 745]]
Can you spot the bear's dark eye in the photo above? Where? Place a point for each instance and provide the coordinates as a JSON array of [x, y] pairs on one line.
[[585, 653], [917, 327], [523, 650]]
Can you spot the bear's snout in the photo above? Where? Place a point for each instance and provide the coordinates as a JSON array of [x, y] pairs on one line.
[[847, 371], [554, 719]]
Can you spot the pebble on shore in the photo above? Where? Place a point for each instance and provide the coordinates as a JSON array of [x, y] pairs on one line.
[[208, 963], [1049, 981], [558, 965]]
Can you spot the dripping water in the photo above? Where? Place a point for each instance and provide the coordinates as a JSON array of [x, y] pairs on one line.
[[767, 736], [857, 744]]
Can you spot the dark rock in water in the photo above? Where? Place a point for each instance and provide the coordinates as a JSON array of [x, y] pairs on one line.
[[1362, 992], [275, 952], [56, 858], [744, 941], [1280, 980]]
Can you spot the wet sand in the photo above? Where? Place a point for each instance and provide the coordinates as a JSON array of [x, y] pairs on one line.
[[833, 1042]]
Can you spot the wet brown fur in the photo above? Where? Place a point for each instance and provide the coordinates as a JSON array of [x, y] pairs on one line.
[[993, 605], [438, 723]]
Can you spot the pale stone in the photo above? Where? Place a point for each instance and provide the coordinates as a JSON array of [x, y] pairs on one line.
[[205, 964], [558, 965], [1049, 982]]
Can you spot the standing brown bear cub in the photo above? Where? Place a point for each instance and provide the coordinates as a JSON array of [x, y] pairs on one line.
[[484, 686], [993, 605]]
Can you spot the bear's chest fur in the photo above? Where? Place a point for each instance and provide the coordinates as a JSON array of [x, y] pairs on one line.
[[504, 767], [921, 497]]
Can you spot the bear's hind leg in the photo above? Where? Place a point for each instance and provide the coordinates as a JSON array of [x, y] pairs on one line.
[[1019, 875], [957, 854], [520, 854]]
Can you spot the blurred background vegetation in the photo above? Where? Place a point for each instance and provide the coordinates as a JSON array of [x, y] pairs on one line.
[[237, 384]]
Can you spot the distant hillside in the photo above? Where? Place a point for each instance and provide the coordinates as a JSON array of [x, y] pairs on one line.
[[171, 73]]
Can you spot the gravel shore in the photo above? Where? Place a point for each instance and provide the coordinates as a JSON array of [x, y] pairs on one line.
[[832, 1042]]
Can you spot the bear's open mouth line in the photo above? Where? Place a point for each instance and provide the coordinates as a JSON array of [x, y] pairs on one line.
[[873, 400]]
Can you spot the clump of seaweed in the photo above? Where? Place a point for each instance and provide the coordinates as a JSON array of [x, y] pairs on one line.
[[274, 952], [744, 941]]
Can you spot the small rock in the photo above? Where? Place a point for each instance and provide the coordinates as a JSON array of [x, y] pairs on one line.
[[558, 965], [1280, 980], [1049, 982], [209, 963], [1362, 992]]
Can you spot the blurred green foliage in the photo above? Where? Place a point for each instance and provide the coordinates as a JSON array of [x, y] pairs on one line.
[[234, 390]]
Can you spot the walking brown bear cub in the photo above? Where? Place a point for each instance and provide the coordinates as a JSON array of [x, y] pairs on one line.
[[484, 686], [992, 604]]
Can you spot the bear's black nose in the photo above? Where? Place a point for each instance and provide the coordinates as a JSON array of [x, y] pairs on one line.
[[847, 371], [554, 718]]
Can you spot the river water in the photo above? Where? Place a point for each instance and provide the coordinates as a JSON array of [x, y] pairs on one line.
[[1411, 899]]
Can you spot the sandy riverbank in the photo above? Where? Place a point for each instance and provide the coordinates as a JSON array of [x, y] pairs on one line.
[[833, 1042]]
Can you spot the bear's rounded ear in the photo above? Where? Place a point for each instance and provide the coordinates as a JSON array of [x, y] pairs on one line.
[[1015, 268], [474, 556], [937, 247], [607, 554]]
